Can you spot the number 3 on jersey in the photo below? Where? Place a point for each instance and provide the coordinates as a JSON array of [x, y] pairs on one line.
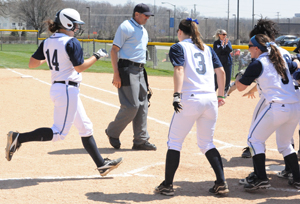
[[201, 63], [54, 61]]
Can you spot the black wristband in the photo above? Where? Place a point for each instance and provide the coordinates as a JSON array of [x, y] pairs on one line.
[[97, 56], [176, 94]]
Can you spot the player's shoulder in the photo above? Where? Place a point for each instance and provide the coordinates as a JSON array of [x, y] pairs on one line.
[[177, 46]]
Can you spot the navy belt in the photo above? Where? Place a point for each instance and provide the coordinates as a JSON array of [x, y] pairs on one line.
[[72, 83], [140, 65]]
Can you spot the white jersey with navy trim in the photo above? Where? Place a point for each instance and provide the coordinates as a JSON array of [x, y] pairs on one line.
[[58, 59], [198, 68], [271, 85]]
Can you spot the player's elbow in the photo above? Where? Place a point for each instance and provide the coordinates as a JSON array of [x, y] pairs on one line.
[[240, 86]]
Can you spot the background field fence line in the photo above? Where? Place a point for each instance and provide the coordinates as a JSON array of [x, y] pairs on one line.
[[157, 52]]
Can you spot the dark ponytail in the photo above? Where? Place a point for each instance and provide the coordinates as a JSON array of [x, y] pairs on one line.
[[52, 26], [190, 28], [274, 56]]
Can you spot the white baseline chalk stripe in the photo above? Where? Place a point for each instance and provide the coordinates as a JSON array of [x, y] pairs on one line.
[[115, 93]]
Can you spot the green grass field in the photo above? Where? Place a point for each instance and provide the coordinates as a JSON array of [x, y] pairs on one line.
[[18, 55]]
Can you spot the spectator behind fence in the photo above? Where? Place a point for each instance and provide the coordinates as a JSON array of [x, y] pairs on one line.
[[222, 46]]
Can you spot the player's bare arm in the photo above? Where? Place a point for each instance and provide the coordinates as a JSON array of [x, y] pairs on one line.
[[240, 86], [90, 61], [86, 64], [33, 63], [114, 61], [178, 78], [221, 84]]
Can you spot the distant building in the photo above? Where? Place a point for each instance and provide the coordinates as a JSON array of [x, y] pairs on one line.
[[10, 23]]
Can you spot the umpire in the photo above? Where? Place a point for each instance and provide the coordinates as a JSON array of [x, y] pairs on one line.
[[130, 78]]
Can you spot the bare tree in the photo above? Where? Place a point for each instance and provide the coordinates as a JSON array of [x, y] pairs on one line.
[[35, 12], [4, 7]]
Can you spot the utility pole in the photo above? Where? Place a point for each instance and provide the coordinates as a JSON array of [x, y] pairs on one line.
[[228, 19], [195, 15], [253, 14], [154, 22], [206, 37], [278, 17], [238, 23]]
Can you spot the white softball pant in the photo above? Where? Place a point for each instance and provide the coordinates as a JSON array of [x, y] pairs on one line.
[[68, 109], [199, 108], [282, 118]]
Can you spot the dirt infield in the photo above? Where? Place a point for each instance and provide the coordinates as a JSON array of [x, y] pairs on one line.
[[63, 172]]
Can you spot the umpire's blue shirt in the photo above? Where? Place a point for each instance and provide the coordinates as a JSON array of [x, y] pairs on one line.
[[132, 39]]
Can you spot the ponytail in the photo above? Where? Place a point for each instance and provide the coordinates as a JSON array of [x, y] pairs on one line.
[[265, 45], [52, 26], [189, 27]]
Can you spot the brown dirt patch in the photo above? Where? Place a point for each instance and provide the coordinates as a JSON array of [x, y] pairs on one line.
[[63, 172]]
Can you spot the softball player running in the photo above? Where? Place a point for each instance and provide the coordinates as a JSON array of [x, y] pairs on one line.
[[64, 56], [195, 100], [282, 113]]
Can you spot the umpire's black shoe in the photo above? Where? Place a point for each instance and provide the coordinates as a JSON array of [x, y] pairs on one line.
[[145, 146], [246, 153], [115, 142]]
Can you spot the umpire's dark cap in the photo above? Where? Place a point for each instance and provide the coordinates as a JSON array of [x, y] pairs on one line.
[[298, 47], [143, 8]]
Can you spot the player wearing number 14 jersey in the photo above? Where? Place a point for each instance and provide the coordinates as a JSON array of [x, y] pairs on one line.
[[195, 100], [64, 56]]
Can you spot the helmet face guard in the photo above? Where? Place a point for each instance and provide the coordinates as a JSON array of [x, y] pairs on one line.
[[78, 30]]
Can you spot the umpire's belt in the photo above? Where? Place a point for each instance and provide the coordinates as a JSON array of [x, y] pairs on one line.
[[72, 83], [126, 62]]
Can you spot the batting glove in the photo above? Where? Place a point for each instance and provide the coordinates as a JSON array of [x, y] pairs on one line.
[[176, 102], [100, 53]]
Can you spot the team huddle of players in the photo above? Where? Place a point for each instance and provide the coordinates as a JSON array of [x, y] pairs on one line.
[[196, 70]]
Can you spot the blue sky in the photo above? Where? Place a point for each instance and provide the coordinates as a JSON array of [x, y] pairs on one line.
[[218, 8]]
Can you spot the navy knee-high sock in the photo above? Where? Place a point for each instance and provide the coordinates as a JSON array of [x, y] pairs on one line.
[[214, 158], [40, 134], [90, 146], [292, 161], [259, 161], [172, 163], [287, 168]]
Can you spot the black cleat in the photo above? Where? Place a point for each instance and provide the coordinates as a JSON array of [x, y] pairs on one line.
[[221, 188], [109, 165], [257, 184], [246, 152], [164, 190], [12, 144]]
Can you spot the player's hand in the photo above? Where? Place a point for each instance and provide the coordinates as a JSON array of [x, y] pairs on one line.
[[117, 80], [100, 53], [250, 94], [176, 102], [221, 102]]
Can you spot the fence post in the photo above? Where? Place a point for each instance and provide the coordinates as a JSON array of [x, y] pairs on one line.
[[37, 38], [1, 40], [93, 45]]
